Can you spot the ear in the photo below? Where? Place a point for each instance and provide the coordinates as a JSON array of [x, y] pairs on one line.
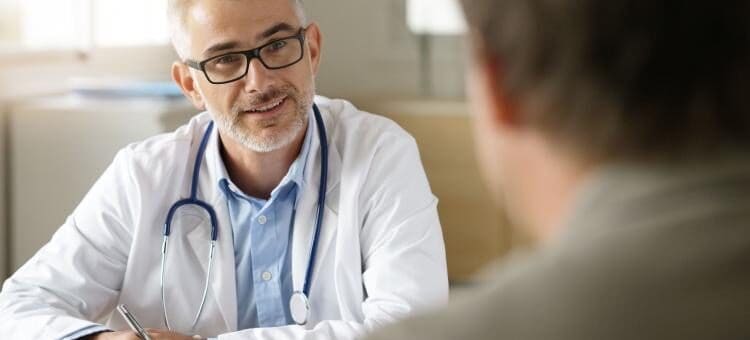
[[184, 79], [314, 41], [489, 77]]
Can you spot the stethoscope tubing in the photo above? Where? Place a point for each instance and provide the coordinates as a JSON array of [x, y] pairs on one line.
[[193, 200], [321, 200]]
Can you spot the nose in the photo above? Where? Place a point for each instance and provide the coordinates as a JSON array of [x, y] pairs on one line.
[[257, 77]]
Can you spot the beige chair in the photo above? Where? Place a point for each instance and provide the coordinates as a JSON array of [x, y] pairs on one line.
[[475, 231]]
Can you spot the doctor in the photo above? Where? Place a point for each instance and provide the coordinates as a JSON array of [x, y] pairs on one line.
[[274, 215]]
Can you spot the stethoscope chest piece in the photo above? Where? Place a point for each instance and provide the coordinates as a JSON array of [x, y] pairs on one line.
[[299, 307]]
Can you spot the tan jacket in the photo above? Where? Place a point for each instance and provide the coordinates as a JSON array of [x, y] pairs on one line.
[[650, 253]]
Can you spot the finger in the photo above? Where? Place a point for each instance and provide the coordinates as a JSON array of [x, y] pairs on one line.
[[157, 334], [124, 335], [161, 332]]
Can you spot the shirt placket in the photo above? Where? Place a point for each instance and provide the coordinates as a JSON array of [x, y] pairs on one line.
[[266, 270]]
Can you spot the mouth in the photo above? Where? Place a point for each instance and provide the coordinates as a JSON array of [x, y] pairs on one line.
[[267, 107]]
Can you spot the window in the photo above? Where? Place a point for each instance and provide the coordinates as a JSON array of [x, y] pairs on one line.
[[55, 24], [131, 22], [439, 17]]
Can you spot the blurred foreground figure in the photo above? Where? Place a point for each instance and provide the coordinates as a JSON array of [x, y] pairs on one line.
[[617, 132]]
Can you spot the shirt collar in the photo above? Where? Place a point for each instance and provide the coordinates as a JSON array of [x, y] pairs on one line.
[[297, 170], [295, 175]]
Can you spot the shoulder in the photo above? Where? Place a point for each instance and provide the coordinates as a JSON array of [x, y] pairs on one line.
[[376, 154], [164, 152], [600, 286], [350, 127]]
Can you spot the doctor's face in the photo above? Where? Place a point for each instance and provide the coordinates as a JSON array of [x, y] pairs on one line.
[[265, 109]]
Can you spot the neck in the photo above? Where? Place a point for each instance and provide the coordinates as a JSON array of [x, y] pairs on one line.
[[258, 173], [548, 188], [555, 195]]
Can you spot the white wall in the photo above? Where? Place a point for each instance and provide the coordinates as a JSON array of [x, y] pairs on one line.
[[368, 52], [4, 252], [8, 20]]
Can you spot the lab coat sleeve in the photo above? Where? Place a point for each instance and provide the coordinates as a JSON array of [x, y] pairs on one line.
[[403, 254], [75, 278]]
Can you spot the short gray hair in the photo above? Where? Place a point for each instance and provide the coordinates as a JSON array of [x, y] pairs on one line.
[[177, 11], [624, 79]]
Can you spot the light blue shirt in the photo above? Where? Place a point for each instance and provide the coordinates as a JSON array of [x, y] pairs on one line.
[[262, 247], [262, 232]]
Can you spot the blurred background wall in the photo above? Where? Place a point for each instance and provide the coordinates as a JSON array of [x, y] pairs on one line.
[[66, 106]]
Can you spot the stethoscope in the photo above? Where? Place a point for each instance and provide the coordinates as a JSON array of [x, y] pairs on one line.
[[299, 304]]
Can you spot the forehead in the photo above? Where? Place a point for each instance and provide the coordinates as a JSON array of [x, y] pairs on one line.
[[217, 21]]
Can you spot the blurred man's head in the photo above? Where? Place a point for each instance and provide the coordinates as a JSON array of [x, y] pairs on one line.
[[569, 85], [262, 104]]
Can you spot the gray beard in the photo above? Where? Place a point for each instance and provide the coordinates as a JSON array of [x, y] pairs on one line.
[[232, 127], [257, 143]]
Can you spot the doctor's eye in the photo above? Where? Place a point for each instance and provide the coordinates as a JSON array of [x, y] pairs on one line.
[[228, 59], [277, 45]]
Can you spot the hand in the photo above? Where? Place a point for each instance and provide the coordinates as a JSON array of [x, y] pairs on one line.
[[160, 334], [155, 334], [123, 335]]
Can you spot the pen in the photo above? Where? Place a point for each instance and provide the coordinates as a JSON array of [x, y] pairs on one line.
[[134, 325]]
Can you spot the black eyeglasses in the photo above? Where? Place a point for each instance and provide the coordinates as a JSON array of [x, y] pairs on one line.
[[274, 55]]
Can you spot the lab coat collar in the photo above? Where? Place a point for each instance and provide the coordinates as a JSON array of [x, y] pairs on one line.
[[297, 170], [223, 283], [304, 223]]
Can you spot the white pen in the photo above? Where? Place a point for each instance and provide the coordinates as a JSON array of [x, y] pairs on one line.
[[133, 322]]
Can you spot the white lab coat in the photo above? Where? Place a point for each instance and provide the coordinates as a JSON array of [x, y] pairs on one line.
[[381, 254]]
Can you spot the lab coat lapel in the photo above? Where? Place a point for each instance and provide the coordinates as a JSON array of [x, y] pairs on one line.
[[198, 239], [307, 205], [223, 285]]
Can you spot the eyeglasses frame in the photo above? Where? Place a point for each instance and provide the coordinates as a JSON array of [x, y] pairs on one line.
[[250, 55]]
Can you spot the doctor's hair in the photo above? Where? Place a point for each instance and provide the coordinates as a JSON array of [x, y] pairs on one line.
[[622, 80], [177, 12]]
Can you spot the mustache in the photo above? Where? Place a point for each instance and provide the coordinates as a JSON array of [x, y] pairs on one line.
[[245, 103]]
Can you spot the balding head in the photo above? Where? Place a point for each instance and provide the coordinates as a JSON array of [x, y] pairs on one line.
[[177, 17]]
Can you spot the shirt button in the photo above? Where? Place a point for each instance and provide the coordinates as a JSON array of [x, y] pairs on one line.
[[266, 276], [262, 219]]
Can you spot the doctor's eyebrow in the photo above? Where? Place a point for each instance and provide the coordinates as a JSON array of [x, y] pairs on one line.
[[280, 27], [231, 45]]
